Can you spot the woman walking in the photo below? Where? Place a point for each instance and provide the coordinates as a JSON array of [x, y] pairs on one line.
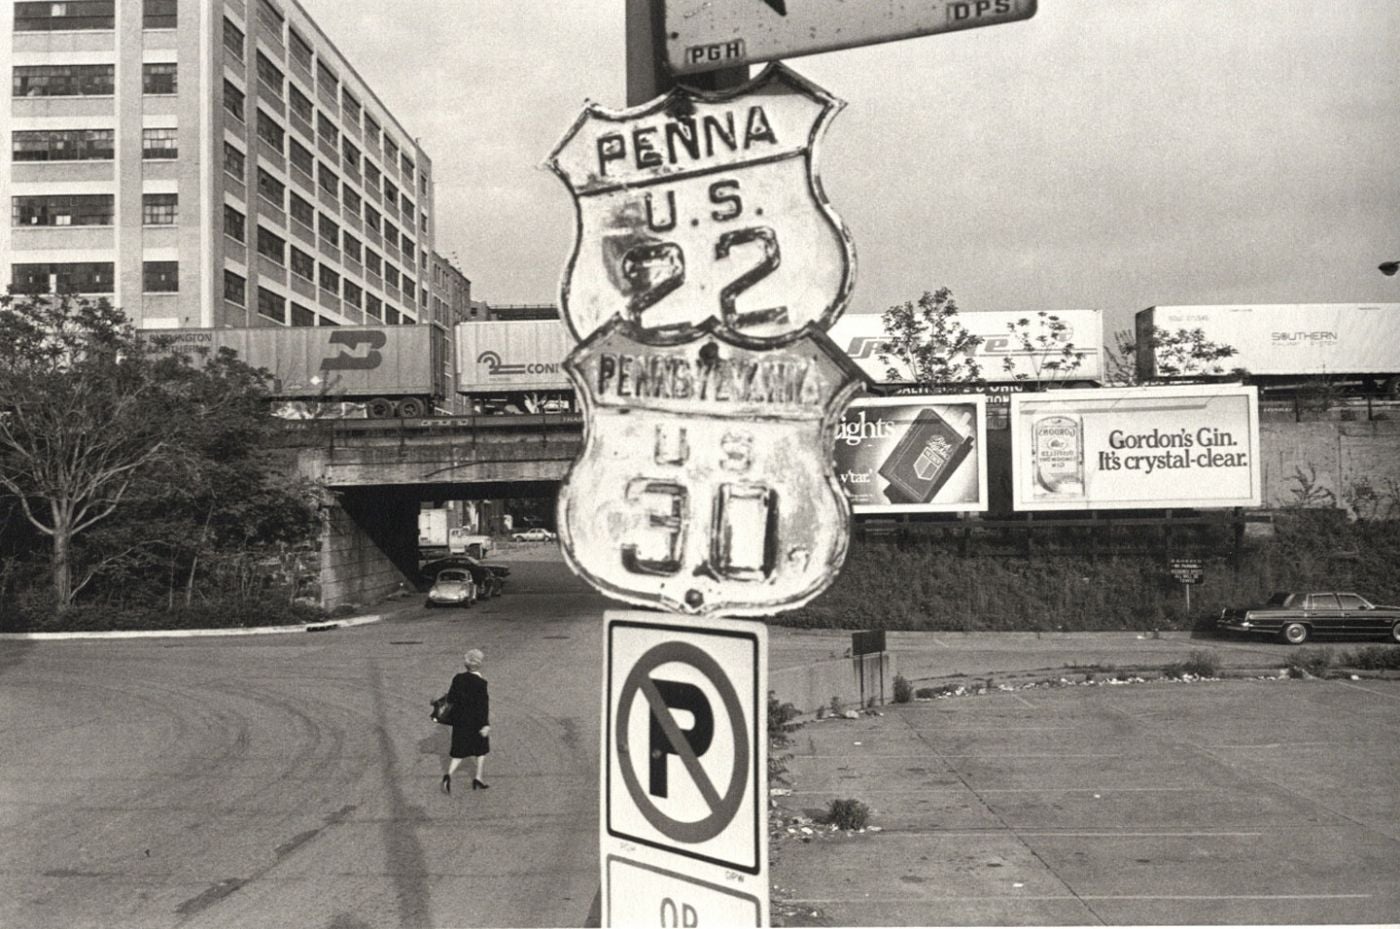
[[471, 720]]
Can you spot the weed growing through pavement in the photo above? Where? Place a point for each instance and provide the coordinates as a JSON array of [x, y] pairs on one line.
[[903, 692], [780, 727], [1199, 663], [848, 814]]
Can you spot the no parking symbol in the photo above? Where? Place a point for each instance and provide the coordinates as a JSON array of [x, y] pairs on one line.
[[683, 758]]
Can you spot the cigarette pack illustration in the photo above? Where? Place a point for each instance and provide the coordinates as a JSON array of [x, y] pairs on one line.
[[1057, 452], [925, 457]]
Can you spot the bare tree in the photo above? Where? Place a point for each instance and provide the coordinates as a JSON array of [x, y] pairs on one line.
[[929, 342]]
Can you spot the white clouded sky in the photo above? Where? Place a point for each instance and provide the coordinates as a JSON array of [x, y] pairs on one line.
[[1105, 154]]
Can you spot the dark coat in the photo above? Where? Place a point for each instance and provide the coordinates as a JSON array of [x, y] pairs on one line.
[[471, 709]]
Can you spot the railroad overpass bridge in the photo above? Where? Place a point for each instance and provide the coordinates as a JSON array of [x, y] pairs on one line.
[[379, 470]]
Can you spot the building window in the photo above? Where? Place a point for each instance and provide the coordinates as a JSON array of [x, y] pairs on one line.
[[159, 14], [351, 245], [300, 48], [73, 16], [391, 276], [372, 217], [233, 39], [301, 316], [326, 79], [63, 81], [234, 224], [406, 165], [423, 223], [270, 188], [330, 232], [235, 162], [159, 209], [301, 211], [326, 130], [372, 176], [302, 264], [160, 277], [233, 100], [391, 154], [271, 245], [374, 307], [406, 245], [269, 131], [391, 193], [391, 234], [159, 78], [351, 153], [352, 200], [373, 263], [235, 288], [301, 104], [352, 294], [272, 305], [349, 108], [372, 131], [270, 16], [422, 185], [52, 210], [328, 180], [80, 277], [160, 143], [330, 280], [409, 289], [407, 205], [301, 157], [391, 315], [62, 145], [270, 75]]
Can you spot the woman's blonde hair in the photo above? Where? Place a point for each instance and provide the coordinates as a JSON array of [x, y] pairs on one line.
[[474, 658]]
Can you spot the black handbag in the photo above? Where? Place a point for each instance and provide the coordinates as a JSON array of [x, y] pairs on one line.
[[442, 711]]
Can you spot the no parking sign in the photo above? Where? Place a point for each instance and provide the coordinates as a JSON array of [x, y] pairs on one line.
[[685, 764]]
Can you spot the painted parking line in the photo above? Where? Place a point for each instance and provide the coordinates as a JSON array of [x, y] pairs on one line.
[[1000, 897], [933, 754], [1010, 790], [1378, 693]]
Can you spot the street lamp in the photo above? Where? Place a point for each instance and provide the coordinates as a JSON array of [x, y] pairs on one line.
[[1388, 268]]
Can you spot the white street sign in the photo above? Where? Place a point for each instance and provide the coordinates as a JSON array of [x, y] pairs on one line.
[[702, 35], [684, 770], [645, 895], [696, 209]]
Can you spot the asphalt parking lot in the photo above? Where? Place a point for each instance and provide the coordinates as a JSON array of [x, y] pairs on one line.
[[1235, 801]]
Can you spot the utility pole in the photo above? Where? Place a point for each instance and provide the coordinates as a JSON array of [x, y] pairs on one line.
[[647, 76]]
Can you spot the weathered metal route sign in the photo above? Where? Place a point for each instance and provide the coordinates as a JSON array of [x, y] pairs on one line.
[[698, 207]]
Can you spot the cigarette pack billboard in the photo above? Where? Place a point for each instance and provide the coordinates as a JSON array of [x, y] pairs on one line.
[[914, 454], [1135, 448]]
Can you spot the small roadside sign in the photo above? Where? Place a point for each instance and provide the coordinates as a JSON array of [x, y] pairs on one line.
[[684, 769], [703, 35], [1187, 570]]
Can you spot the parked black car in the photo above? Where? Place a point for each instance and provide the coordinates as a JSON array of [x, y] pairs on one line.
[[1294, 617]]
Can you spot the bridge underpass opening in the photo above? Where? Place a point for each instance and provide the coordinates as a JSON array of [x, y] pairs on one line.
[[369, 537]]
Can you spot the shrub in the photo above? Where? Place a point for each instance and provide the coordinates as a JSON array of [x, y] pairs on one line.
[[903, 692], [1372, 658], [1199, 663], [848, 814], [1307, 662]]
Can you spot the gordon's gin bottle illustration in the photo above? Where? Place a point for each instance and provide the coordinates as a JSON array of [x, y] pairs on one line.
[[1057, 454]]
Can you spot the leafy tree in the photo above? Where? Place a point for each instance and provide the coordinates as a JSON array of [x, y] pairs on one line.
[[95, 422], [1184, 352], [1045, 346], [927, 339]]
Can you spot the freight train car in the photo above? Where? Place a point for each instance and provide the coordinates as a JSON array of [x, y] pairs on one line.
[[1278, 347], [387, 370]]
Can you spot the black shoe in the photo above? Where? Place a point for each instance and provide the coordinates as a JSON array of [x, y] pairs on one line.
[[479, 785], [447, 783]]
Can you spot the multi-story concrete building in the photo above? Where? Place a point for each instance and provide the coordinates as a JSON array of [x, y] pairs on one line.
[[207, 163]]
